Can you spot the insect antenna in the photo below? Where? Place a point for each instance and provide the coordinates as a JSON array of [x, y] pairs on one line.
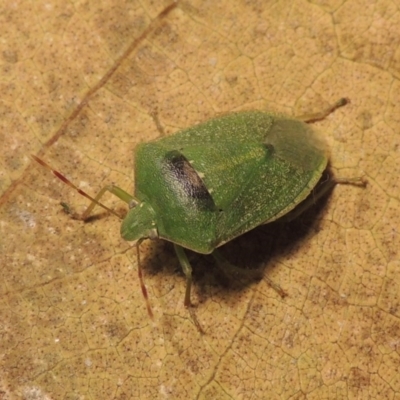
[[60, 176], [121, 194], [140, 274]]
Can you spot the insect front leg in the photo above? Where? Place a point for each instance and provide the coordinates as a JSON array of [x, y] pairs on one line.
[[115, 190], [187, 270]]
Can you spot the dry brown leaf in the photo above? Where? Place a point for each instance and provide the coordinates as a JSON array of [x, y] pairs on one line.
[[80, 82]]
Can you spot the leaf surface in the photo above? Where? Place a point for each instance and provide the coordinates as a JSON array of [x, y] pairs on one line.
[[82, 84]]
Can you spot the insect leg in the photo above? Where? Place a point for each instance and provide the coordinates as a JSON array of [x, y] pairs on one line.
[[140, 274], [187, 270], [323, 114], [115, 190]]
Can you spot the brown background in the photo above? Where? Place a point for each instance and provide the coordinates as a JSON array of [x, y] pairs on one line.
[[79, 83]]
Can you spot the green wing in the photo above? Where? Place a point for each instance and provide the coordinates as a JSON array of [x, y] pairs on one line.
[[286, 175], [256, 167], [219, 179]]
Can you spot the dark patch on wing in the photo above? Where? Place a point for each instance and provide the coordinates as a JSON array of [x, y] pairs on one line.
[[189, 180]]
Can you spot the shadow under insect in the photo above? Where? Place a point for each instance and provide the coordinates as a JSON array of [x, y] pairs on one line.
[[248, 258]]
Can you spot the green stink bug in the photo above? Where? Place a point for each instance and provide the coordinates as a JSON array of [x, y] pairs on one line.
[[210, 183]]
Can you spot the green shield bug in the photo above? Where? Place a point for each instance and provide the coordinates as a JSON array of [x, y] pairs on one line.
[[210, 183]]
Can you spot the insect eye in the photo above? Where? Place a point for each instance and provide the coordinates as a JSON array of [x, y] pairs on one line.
[[133, 203]]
